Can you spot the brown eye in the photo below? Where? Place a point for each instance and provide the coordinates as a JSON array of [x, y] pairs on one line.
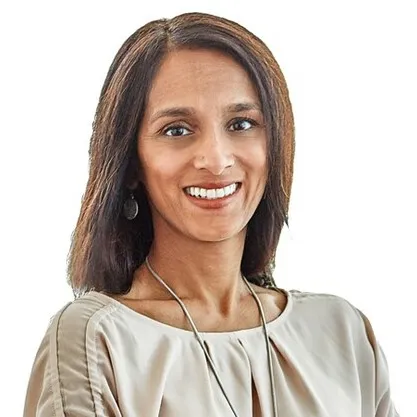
[[242, 124], [176, 131]]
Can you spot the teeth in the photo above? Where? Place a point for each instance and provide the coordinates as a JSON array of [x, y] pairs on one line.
[[220, 193], [211, 194]]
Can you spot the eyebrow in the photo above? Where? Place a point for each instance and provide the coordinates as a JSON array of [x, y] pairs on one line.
[[188, 111], [239, 107]]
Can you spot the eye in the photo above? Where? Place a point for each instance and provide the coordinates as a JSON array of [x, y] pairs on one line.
[[176, 131], [242, 124]]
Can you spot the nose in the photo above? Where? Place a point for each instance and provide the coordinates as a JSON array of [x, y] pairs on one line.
[[213, 153]]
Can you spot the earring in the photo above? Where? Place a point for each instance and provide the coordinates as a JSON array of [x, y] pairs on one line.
[[130, 207]]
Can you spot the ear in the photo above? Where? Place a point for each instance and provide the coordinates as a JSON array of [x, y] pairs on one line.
[[134, 176], [132, 185], [132, 180]]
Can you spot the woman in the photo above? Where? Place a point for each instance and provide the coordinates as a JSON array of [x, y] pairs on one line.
[[176, 311]]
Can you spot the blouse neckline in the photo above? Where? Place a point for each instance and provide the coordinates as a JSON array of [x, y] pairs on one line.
[[167, 328]]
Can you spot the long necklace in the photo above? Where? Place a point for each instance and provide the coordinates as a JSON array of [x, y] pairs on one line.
[[203, 346]]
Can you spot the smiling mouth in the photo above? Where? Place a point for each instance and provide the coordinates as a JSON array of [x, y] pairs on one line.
[[212, 193]]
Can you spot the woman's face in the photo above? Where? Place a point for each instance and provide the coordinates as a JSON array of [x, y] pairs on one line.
[[202, 146]]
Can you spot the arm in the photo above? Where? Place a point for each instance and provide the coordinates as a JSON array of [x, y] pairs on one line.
[[384, 405], [72, 373]]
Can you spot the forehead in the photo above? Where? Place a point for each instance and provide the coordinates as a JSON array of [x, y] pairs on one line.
[[198, 77]]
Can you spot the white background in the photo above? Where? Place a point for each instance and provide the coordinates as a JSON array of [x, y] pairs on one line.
[[351, 71]]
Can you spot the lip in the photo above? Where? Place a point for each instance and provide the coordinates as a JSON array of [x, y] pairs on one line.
[[217, 203], [211, 185]]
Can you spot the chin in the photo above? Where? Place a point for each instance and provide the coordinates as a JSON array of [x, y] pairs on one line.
[[216, 234]]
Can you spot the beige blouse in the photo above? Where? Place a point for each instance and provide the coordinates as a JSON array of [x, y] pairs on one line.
[[100, 358]]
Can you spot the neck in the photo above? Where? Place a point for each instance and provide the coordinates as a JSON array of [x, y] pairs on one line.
[[205, 272]]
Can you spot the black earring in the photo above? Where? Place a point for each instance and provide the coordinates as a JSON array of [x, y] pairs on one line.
[[130, 207]]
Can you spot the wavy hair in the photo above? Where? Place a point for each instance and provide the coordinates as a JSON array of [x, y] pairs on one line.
[[106, 248]]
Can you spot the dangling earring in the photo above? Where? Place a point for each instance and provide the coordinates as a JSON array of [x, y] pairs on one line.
[[130, 207]]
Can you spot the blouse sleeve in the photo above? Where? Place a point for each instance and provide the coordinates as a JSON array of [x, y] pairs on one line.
[[72, 372], [384, 405]]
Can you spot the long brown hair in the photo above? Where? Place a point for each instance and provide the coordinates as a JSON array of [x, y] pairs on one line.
[[106, 248]]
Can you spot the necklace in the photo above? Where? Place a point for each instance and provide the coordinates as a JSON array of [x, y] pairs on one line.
[[203, 346]]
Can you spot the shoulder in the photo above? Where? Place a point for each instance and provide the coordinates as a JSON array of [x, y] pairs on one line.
[[72, 364], [332, 323], [338, 331], [322, 302], [76, 333], [81, 317], [73, 334], [330, 312]]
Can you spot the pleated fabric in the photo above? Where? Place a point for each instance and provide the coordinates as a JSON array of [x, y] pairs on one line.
[[100, 358]]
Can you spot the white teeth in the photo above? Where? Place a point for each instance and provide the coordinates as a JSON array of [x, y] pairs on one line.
[[230, 189], [211, 194], [220, 193]]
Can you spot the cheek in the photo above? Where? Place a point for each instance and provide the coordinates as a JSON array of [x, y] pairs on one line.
[[259, 166], [263, 158], [256, 158], [159, 166]]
